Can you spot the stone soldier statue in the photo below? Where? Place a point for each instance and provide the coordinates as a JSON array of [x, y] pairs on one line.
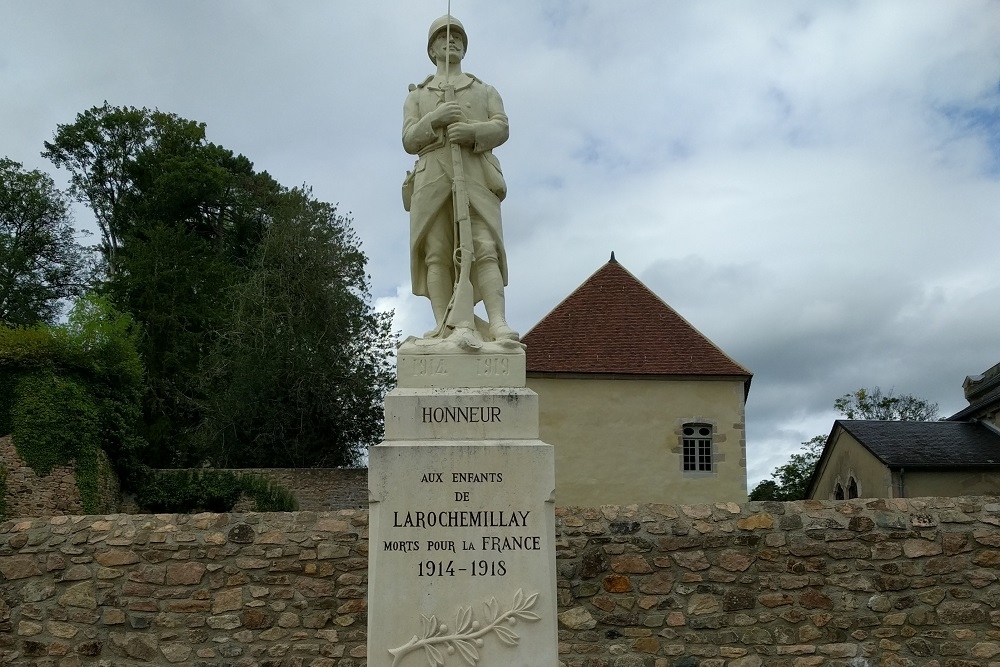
[[452, 121]]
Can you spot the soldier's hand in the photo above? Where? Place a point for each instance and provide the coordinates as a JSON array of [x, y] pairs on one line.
[[462, 133], [446, 114]]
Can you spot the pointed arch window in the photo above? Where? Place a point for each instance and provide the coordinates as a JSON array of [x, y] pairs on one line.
[[852, 488], [838, 492]]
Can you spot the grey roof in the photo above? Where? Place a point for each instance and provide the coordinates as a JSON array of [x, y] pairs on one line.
[[940, 444], [977, 404]]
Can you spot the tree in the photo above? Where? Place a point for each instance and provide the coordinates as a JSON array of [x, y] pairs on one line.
[[260, 345], [101, 151], [174, 284], [178, 218], [874, 404], [298, 377], [791, 480], [40, 262]]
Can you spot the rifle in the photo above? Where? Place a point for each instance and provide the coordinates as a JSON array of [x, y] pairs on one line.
[[460, 309]]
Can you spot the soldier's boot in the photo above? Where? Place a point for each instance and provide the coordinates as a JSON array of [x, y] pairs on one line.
[[491, 291]]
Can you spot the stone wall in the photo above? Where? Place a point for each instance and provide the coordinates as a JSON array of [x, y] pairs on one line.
[[30, 494], [321, 489], [204, 589], [809, 584]]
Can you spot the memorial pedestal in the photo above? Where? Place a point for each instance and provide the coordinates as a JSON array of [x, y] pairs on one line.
[[462, 526]]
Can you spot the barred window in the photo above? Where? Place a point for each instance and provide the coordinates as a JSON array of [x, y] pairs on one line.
[[697, 447]]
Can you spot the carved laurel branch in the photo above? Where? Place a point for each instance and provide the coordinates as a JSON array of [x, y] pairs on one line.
[[467, 636]]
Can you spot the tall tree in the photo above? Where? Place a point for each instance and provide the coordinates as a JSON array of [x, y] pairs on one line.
[[174, 284], [876, 404], [178, 218], [298, 376], [101, 150], [40, 261], [260, 344]]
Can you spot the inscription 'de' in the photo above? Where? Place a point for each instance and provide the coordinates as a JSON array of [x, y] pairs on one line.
[[471, 414]]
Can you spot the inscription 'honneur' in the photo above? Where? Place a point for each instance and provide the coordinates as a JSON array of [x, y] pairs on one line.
[[470, 414]]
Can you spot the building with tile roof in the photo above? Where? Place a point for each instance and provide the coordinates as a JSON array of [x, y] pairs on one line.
[[909, 459], [640, 405]]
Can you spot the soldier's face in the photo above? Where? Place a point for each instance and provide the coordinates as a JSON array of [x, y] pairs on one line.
[[453, 49]]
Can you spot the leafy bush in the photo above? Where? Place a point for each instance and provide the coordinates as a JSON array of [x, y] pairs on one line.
[[208, 490], [67, 392], [55, 420]]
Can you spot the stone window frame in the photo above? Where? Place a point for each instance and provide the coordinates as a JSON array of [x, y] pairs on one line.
[[699, 439], [848, 490]]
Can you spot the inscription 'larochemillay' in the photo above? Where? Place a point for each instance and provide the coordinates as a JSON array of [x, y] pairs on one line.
[[462, 519]]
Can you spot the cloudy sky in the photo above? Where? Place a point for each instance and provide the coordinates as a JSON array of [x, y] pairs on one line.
[[814, 185]]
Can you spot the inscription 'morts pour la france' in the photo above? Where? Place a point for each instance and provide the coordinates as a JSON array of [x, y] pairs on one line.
[[457, 414]]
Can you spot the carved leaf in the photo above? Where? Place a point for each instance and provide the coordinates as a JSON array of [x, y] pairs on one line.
[[466, 631], [434, 657], [467, 651], [492, 609], [464, 619], [507, 635]]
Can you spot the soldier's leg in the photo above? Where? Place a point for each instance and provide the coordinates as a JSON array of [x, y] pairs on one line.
[[490, 281], [438, 256]]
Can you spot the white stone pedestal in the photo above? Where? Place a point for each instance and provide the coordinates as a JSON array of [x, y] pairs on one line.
[[461, 563]]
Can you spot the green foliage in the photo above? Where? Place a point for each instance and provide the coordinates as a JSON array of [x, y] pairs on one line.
[[102, 149], [874, 404], [55, 420], [791, 480], [174, 283], [110, 338], [208, 490], [299, 375], [73, 390], [40, 262], [259, 342]]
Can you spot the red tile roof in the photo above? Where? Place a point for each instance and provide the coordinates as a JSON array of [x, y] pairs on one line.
[[613, 323]]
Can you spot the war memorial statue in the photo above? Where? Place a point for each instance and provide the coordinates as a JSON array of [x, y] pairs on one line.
[[452, 121], [461, 490]]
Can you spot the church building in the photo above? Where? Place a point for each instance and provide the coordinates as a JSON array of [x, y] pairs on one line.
[[639, 405]]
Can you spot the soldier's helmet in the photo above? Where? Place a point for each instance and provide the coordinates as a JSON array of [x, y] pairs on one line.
[[441, 24]]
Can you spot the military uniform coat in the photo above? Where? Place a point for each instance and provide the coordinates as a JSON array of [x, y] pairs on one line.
[[432, 175]]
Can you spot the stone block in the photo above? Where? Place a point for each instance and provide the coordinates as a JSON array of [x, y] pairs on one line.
[[461, 414], [463, 534], [460, 370]]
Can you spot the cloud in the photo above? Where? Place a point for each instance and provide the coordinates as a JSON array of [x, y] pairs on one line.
[[813, 185]]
